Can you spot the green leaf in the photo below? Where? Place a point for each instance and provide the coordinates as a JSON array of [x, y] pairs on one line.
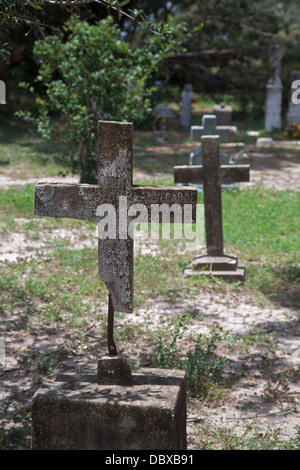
[[35, 5], [122, 4]]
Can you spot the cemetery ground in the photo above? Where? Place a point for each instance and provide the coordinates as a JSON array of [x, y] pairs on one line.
[[238, 342]]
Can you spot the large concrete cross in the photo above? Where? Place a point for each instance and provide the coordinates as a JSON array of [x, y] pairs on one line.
[[114, 188], [212, 175], [209, 127]]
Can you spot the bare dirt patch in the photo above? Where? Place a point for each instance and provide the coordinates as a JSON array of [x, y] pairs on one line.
[[17, 244], [10, 179], [273, 168]]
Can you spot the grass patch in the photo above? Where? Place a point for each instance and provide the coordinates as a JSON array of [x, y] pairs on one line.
[[16, 437], [253, 437], [272, 261], [66, 288], [202, 364], [156, 277], [17, 201], [263, 224], [261, 227], [26, 153]]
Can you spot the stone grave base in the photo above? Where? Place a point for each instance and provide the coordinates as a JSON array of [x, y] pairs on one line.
[[71, 411], [225, 267]]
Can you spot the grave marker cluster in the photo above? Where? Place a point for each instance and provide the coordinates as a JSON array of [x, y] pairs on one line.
[[209, 127]]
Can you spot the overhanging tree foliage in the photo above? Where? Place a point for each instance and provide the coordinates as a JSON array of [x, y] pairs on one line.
[[91, 74], [229, 47]]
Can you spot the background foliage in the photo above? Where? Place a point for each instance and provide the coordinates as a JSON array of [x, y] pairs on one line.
[[221, 47], [90, 73]]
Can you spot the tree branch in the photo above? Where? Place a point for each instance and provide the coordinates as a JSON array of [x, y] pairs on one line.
[[101, 2]]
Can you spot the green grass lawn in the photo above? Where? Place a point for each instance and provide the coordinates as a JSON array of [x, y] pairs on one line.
[[260, 227], [23, 150]]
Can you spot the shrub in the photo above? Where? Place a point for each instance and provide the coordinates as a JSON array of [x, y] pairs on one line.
[[91, 73], [202, 365]]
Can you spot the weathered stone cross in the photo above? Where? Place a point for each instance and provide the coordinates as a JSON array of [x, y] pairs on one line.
[[209, 127], [212, 175], [114, 189]]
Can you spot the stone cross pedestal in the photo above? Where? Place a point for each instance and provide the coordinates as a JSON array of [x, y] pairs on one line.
[[72, 411], [212, 175], [209, 127], [109, 406]]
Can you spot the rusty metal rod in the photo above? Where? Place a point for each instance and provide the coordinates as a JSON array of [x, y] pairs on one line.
[[110, 329]]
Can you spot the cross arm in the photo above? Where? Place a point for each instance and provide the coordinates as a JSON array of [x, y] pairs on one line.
[[234, 173], [76, 201], [198, 131], [170, 195], [195, 173]]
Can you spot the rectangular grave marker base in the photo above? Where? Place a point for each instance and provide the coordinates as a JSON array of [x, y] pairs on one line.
[[225, 267], [71, 411]]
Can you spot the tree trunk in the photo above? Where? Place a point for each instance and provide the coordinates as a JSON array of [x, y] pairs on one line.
[[88, 165]]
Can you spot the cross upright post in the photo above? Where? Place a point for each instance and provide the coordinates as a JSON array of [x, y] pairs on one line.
[[114, 195], [212, 175], [212, 197]]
